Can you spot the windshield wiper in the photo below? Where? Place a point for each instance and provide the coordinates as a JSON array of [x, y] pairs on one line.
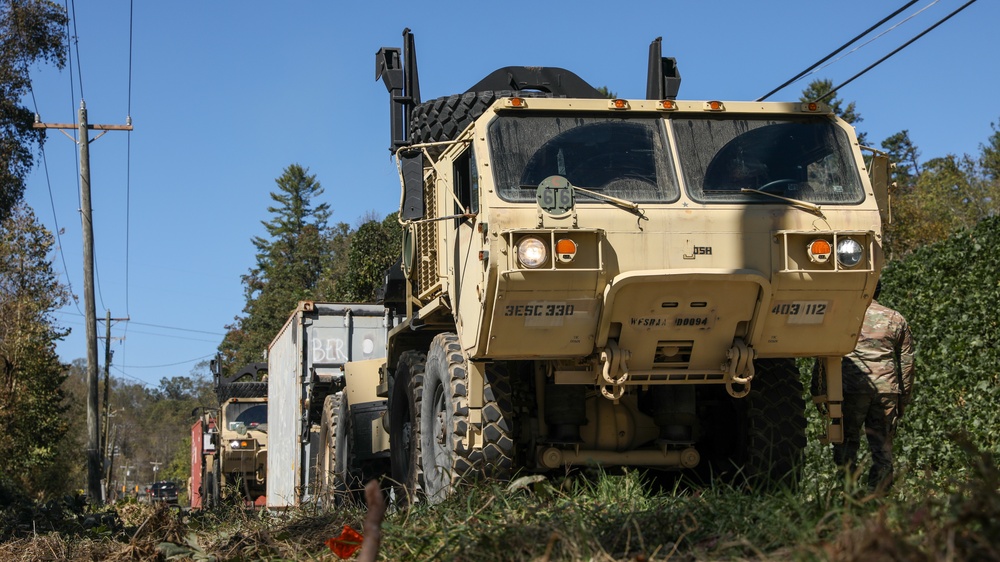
[[811, 207], [617, 201]]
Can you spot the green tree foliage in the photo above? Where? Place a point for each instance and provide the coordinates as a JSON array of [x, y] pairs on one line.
[[950, 194], [990, 158], [336, 269], [848, 112], [905, 155], [374, 248], [948, 291], [31, 31], [290, 264], [31, 398]]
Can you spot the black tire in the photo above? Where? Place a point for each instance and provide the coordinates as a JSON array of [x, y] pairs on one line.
[[499, 460], [442, 119], [774, 438], [404, 426], [334, 461], [255, 389], [216, 482], [444, 419]]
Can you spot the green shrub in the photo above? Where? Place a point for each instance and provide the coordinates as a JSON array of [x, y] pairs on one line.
[[949, 293]]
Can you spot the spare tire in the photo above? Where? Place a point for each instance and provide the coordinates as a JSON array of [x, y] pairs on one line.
[[442, 119], [255, 389]]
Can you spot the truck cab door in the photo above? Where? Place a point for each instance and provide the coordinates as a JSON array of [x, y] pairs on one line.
[[465, 266]]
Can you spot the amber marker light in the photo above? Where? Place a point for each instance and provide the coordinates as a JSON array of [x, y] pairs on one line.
[[565, 250], [714, 106], [619, 104], [516, 103], [811, 107], [819, 251], [667, 105]]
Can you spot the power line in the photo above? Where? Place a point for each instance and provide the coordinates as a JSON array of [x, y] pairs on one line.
[[181, 329], [834, 53], [170, 364], [52, 204], [128, 160], [76, 40], [873, 39], [164, 327], [898, 49]]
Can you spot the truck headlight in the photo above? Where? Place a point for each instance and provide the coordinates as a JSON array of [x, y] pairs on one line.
[[242, 444], [849, 252], [531, 252]]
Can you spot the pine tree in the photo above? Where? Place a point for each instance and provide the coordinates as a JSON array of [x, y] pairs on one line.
[[905, 155], [290, 266], [847, 112]]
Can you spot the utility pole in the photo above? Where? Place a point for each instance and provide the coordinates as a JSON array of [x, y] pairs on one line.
[[106, 445], [90, 311]]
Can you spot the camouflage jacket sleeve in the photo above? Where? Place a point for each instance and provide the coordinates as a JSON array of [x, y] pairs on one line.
[[904, 355]]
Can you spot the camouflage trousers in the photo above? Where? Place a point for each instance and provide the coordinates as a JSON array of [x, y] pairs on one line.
[[878, 416]]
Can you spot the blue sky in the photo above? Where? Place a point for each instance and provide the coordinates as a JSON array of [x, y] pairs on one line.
[[224, 95]]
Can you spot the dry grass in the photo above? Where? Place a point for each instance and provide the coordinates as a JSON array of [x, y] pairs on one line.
[[600, 518]]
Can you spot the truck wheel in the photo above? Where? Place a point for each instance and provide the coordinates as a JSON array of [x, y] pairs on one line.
[[404, 425], [215, 483], [334, 458], [444, 419], [442, 119], [498, 423], [774, 414]]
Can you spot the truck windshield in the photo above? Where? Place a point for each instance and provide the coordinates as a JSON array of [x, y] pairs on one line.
[[803, 158], [252, 414], [624, 158]]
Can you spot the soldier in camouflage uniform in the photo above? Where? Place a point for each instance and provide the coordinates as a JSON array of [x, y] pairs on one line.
[[878, 385]]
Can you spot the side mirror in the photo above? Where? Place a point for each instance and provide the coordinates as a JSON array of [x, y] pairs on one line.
[[878, 173], [411, 166]]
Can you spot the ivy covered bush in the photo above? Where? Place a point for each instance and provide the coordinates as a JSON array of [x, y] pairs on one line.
[[949, 293]]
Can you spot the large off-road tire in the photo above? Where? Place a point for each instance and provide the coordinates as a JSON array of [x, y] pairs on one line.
[[773, 440], [444, 419], [216, 483], [404, 426], [442, 119], [254, 389], [209, 487], [499, 455], [334, 461]]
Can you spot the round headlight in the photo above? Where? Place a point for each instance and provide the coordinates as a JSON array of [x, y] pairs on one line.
[[531, 252], [849, 252]]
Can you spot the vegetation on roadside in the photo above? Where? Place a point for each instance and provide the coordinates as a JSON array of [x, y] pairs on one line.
[[582, 516]]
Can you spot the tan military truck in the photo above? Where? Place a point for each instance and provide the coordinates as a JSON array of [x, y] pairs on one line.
[[234, 466], [616, 282]]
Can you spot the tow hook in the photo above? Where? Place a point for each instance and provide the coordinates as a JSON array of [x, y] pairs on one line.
[[739, 368]]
